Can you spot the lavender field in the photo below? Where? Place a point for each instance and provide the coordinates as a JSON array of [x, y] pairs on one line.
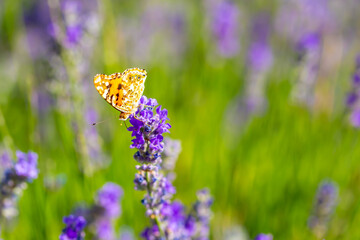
[[248, 127]]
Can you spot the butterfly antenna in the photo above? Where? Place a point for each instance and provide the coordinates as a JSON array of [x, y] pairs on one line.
[[95, 123]]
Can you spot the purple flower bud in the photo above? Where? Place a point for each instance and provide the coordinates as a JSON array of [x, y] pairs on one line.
[[352, 99], [74, 228], [169, 220], [357, 61], [225, 27], [5, 161], [108, 197], [172, 149], [263, 236], [147, 129], [104, 229], [26, 165], [308, 42], [260, 56], [151, 233], [324, 205]]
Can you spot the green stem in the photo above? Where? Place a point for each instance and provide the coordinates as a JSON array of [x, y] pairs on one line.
[[7, 139]]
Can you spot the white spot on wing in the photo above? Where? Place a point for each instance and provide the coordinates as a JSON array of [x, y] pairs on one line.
[[105, 93]]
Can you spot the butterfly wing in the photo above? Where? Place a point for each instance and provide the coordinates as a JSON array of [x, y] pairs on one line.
[[109, 87], [133, 85], [122, 90]]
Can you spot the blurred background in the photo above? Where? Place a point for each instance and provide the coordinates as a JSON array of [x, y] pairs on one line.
[[263, 96]]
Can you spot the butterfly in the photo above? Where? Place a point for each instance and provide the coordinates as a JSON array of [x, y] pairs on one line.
[[122, 90]]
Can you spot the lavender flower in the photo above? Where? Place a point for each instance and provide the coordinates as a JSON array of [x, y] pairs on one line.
[[299, 17], [104, 230], [172, 149], [26, 165], [309, 49], [74, 229], [260, 55], [308, 42], [101, 215], [263, 236], [355, 118], [108, 198], [17, 175], [148, 129], [225, 27], [324, 205], [5, 162], [201, 214], [105, 210], [76, 14], [39, 30], [251, 101], [352, 100], [168, 219]]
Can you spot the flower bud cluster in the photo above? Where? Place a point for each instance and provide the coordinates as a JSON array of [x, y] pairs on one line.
[[16, 176]]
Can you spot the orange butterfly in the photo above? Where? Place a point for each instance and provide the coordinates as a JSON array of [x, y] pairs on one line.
[[122, 90]]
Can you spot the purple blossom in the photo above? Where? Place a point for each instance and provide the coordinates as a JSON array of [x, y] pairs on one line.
[[15, 179], [5, 161], [73, 35], [355, 118], [309, 47], [178, 224], [357, 61], [298, 17], [263, 236], [26, 165], [78, 19], [42, 101], [324, 205], [260, 55], [309, 42], [202, 214], [147, 128], [104, 229], [168, 219], [151, 233], [172, 149], [225, 27], [74, 228], [108, 197], [72, 13], [39, 30], [356, 79], [101, 215], [352, 99]]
